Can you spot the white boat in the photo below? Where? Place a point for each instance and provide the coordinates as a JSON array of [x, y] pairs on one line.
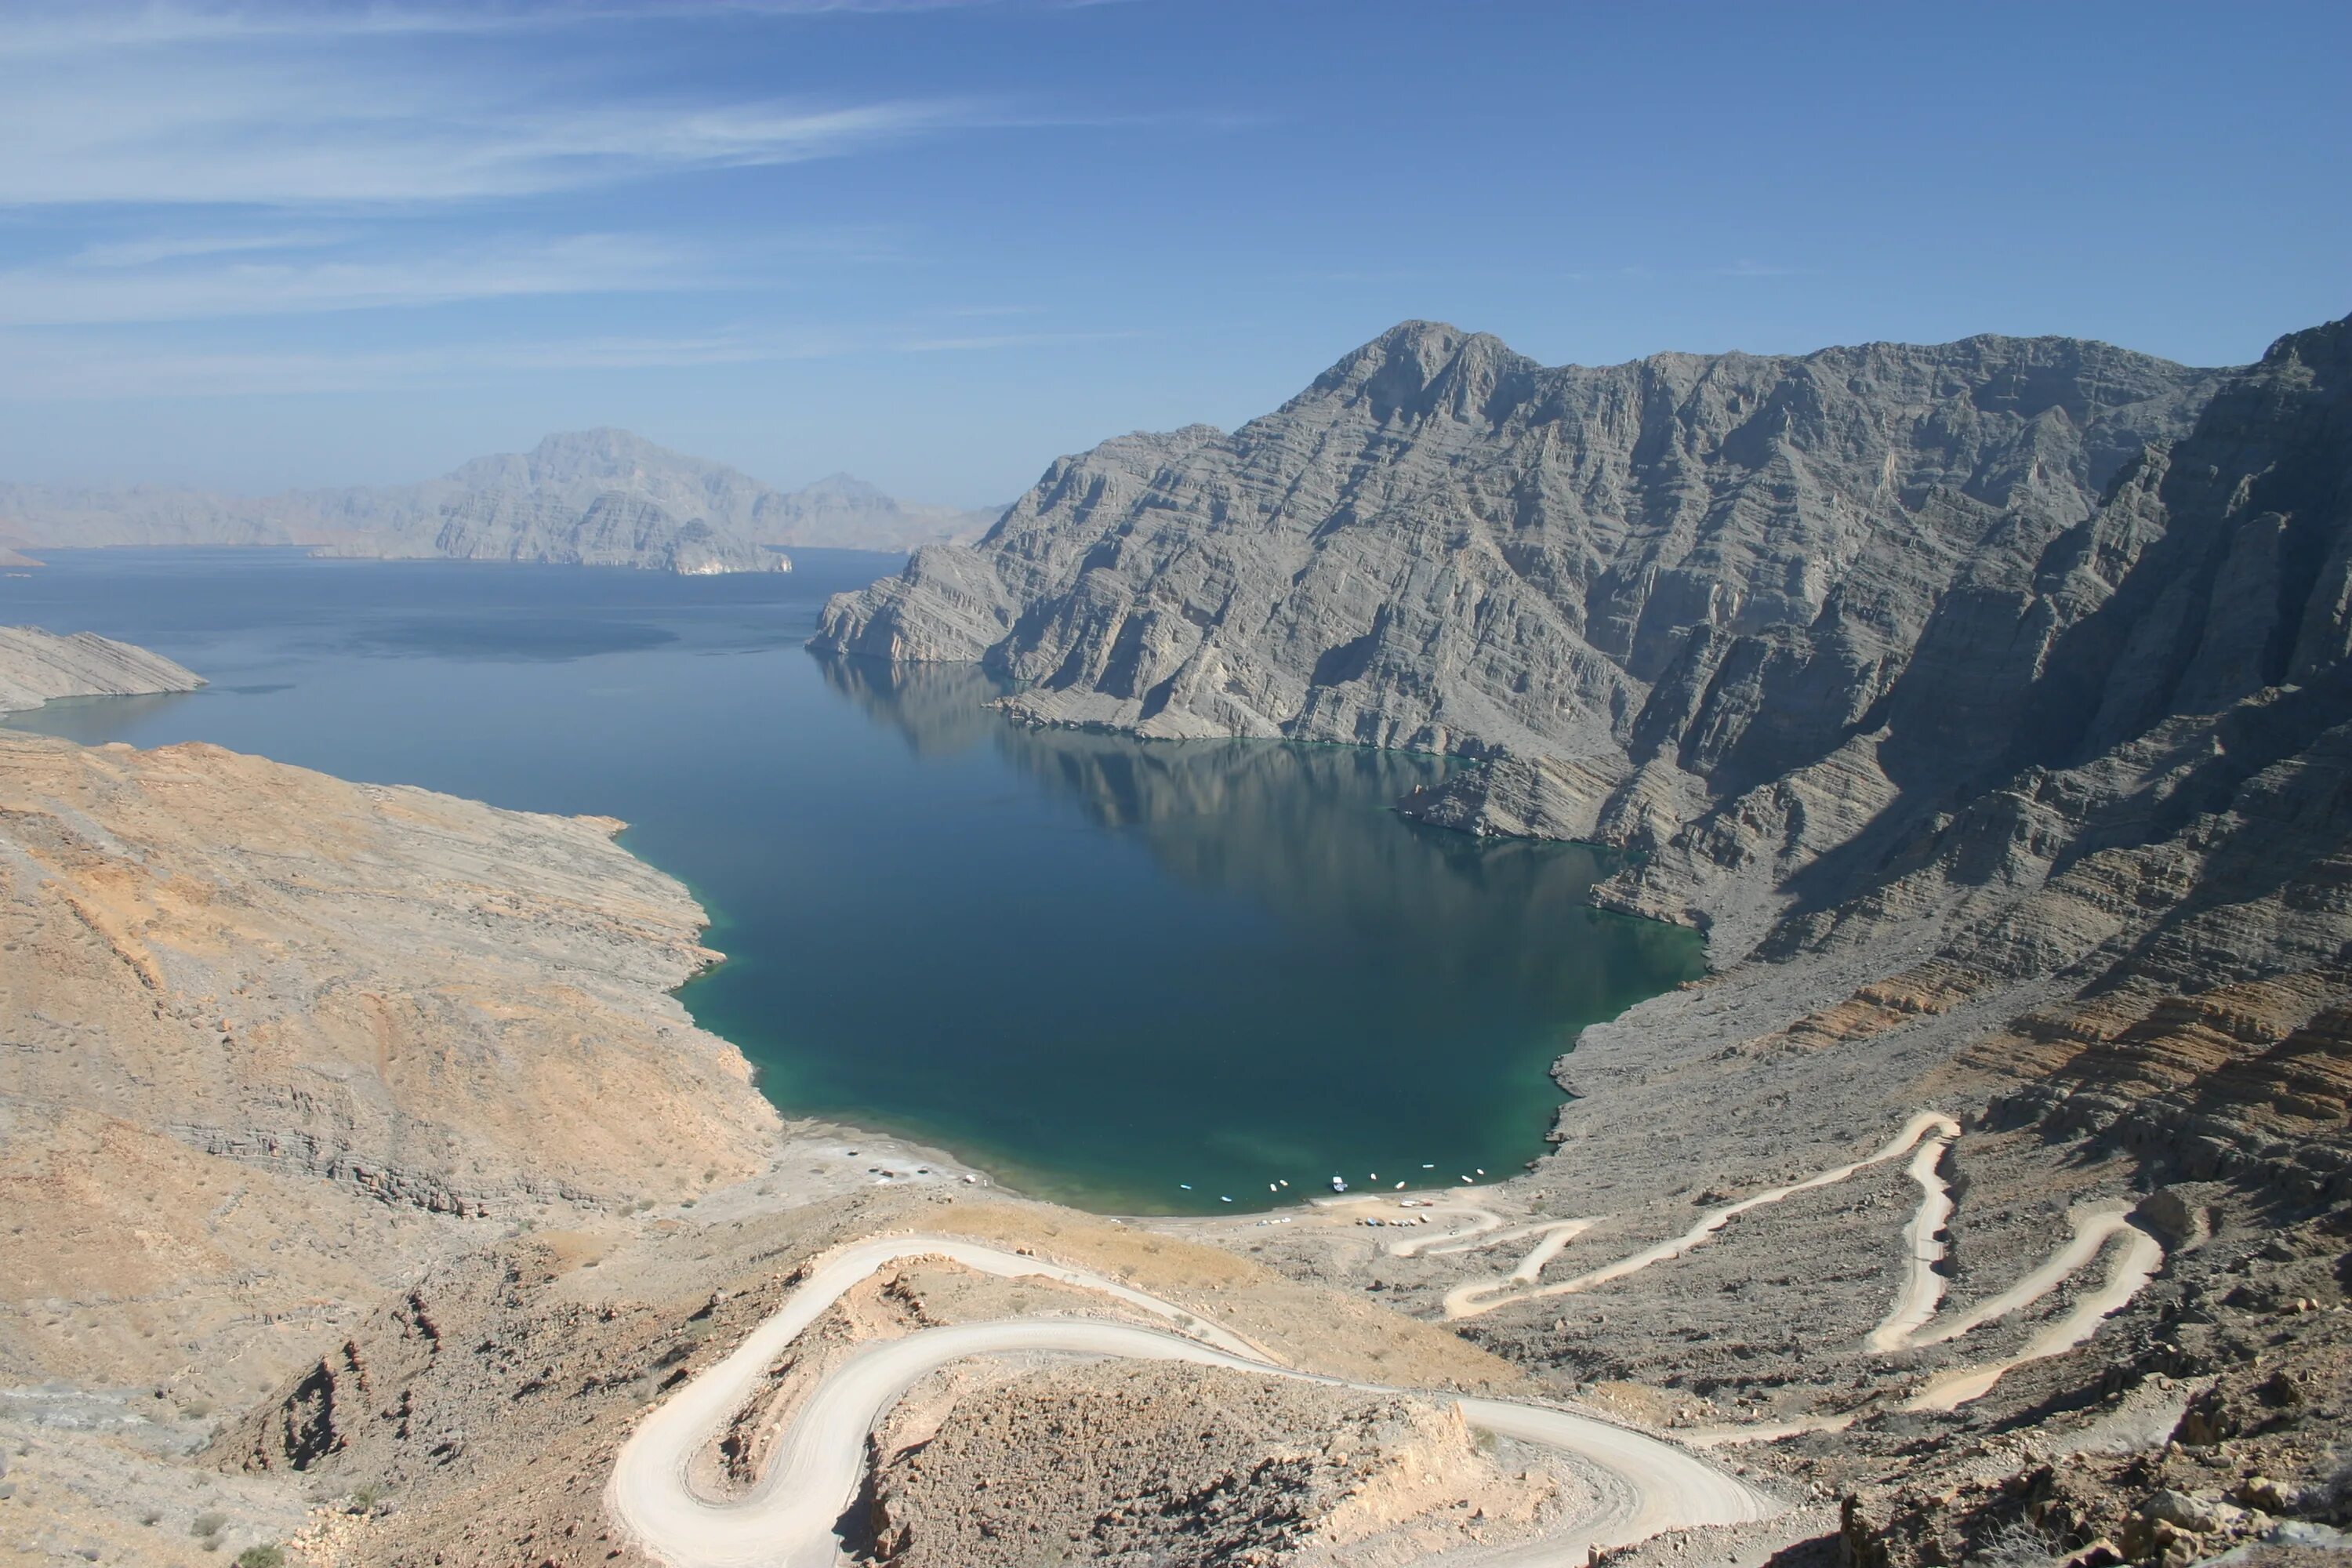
[[1339, 1184]]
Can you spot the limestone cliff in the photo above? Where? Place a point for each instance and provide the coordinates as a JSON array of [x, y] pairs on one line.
[[1443, 545], [1883, 626]]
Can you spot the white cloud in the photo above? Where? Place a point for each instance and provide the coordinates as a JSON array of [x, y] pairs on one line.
[[154, 248], [121, 292], [167, 132]]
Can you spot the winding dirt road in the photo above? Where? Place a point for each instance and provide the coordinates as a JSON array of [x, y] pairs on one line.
[[1470, 1301], [786, 1519], [1923, 1242], [1910, 1321], [1643, 1486], [2135, 1263]]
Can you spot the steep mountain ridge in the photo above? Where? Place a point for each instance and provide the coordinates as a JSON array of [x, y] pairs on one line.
[[1763, 620], [1443, 545]]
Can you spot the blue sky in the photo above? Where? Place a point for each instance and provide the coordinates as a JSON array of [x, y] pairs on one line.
[[938, 244]]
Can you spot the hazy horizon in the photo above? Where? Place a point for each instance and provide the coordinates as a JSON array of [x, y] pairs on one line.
[[936, 244]]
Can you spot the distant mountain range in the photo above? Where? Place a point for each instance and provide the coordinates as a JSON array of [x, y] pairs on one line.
[[591, 496]]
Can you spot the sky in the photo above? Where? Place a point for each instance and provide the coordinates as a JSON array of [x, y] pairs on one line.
[[938, 244]]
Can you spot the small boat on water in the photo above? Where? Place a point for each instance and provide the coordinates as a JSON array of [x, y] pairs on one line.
[[1339, 1184]]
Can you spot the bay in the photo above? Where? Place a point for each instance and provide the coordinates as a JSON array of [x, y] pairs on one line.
[[1107, 970]]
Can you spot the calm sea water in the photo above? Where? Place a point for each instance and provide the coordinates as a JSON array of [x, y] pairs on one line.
[[1098, 967]]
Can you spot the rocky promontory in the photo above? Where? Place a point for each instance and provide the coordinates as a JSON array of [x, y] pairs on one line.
[[37, 666]]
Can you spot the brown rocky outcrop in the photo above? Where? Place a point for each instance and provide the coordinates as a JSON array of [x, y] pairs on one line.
[[245, 1005]]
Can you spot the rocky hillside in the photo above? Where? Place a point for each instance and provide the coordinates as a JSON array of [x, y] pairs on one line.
[[37, 666], [599, 497], [388, 1000], [1737, 612]]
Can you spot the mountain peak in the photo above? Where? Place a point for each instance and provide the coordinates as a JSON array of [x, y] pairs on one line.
[[1400, 370], [848, 487]]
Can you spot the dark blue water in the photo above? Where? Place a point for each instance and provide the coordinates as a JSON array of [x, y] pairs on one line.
[[1099, 967]]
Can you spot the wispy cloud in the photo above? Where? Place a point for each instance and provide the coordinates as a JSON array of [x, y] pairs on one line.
[[235, 162], [154, 249], [30, 29], [116, 291], [244, 132], [48, 367], [1744, 267], [332, 105]]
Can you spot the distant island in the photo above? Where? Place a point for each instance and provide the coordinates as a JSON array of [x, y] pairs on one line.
[[588, 498]]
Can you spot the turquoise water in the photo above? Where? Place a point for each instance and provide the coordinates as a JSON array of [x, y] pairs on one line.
[[1103, 969]]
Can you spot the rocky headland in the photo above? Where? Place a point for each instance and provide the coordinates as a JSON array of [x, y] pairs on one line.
[[37, 667]]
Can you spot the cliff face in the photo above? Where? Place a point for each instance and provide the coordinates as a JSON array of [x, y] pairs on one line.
[[1443, 545], [37, 666]]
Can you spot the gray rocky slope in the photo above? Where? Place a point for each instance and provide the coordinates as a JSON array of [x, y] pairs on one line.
[[592, 497], [37, 666]]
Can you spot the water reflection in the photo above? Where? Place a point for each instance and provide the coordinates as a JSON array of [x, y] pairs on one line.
[[941, 708], [1305, 832]]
